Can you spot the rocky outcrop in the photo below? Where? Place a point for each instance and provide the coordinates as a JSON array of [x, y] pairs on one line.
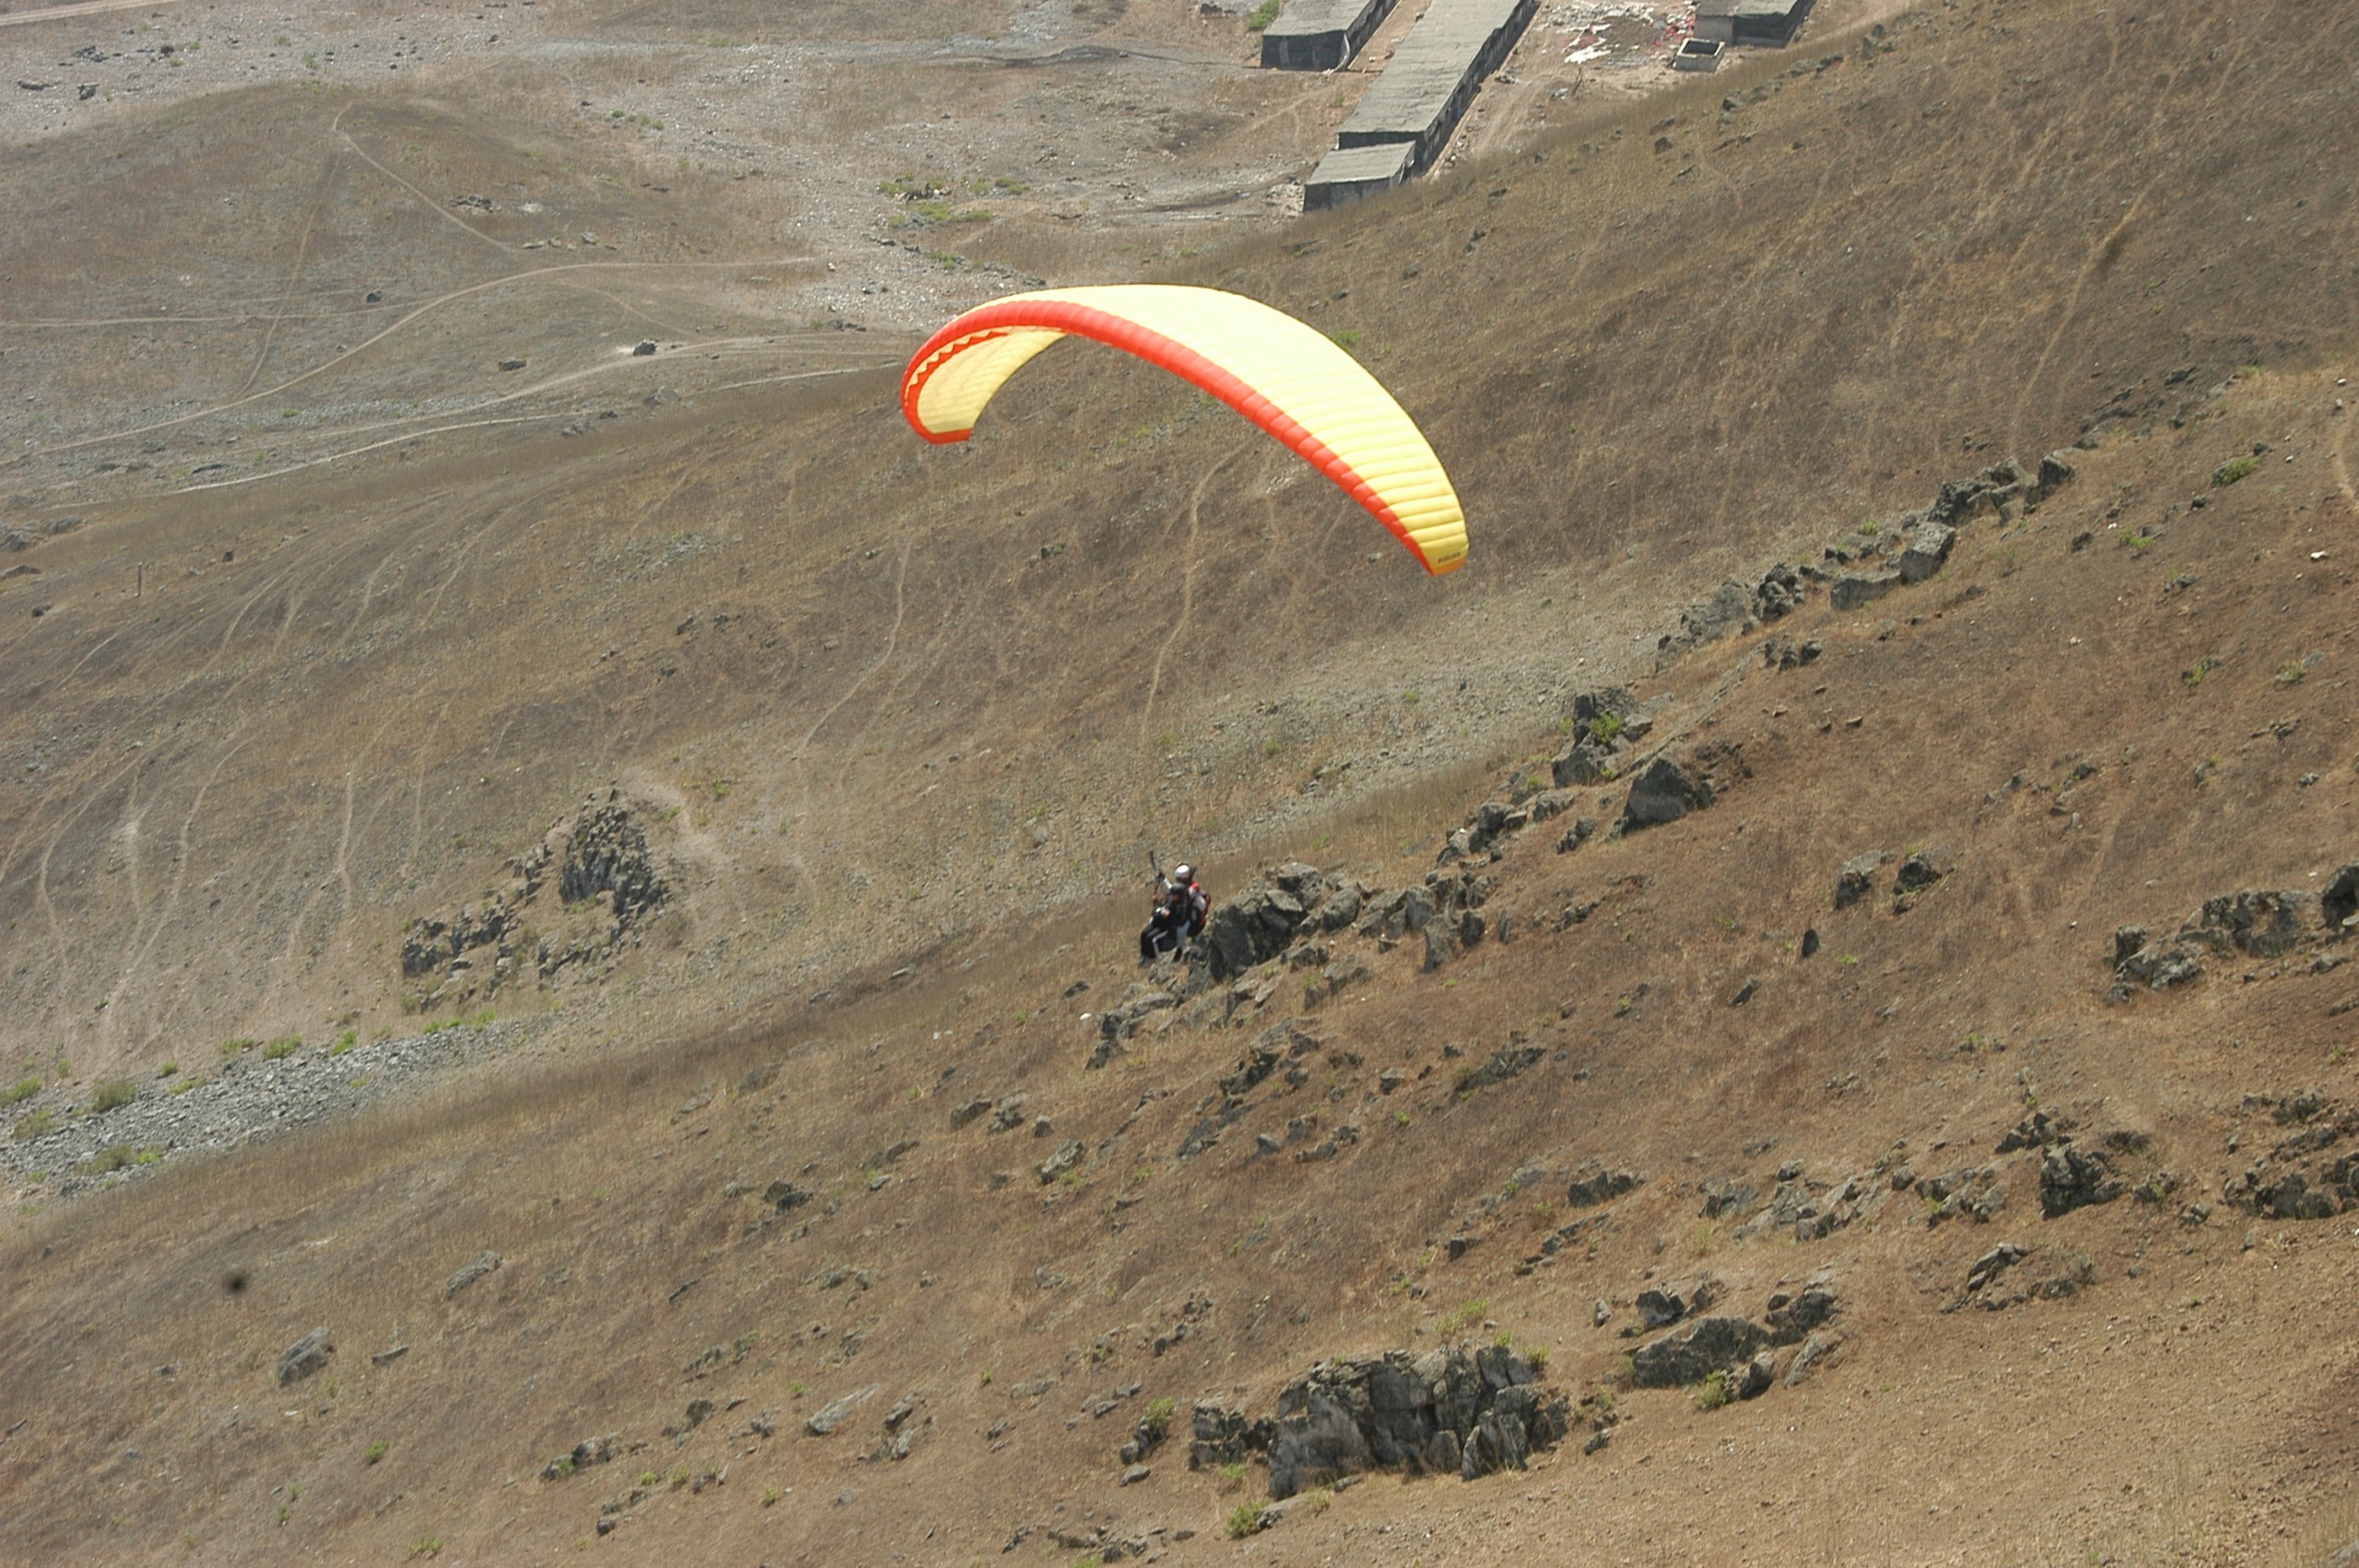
[[2260, 923], [1599, 1184], [1271, 1047], [1727, 611], [1693, 1353], [1992, 1285], [607, 884], [2074, 1177], [1468, 1411], [607, 859], [1664, 791], [2310, 1173], [1118, 1024], [1730, 1345], [1260, 922]]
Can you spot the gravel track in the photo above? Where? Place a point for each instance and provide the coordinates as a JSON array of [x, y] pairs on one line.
[[250, 1099]]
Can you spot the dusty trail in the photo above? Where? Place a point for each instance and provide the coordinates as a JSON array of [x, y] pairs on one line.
[[1188, 557], [80, 8], [366, 344], [294, 272]]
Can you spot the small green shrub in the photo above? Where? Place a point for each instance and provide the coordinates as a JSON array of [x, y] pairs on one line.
[[2193, 675], [232, 1047], [1713, 1391], [2291, 675], [424, 1546], [113, 1094], [1345, 338], [1466, 1316], [1247, 1520], [1605, 729], [168, 1069], [114, 1157], [285, 1046], [31, 1127], [376, 1452], [25, 1089], [2236, 468], [1263, 15]]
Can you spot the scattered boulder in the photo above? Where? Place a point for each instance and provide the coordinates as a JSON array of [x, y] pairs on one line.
[[1820, 1351], [1856, 878], [2036, 1130], [1271, 1047], [1660, 1306], [470, 1271], [1971, 1192], [1916, 876], [1779, 592], [1506, 1062], [1793, 1315], [1851, 590], [1598, 1185], [1067, 1157], [1664, 791], [1693, 1353], [1990, 1286], [305, 1356], [830, 1416], [1728, 1197], [1118, 1024], [2072, 1178], [1929, 549], [1728, 611], [1780, 653]]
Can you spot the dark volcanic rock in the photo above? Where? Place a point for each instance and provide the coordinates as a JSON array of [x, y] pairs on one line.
[[1597, 1185], [305, 1356], [2072, 1178], [1690, 1355], [1475, 1411], [1258, 924], [1853, 590], [1856, 879], [1663, 791]]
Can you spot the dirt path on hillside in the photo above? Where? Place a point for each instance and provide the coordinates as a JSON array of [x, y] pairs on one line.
[[84, 9]]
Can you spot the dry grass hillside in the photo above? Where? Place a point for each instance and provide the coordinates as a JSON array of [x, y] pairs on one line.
[[899, 725]]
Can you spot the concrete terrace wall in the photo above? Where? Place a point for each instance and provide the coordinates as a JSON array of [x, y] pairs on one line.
[[1349, 173], [1435, 75], [1320, 35], [1770, 23]]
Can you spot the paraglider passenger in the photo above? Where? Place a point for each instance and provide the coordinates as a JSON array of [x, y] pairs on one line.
[[1180, 907]]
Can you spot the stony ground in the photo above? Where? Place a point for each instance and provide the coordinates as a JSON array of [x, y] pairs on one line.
[[1919, 1023]]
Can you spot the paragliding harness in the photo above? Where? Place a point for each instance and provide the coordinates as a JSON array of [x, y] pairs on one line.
[[1180, 911]]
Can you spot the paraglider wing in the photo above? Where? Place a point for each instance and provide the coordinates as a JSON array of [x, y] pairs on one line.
[[1273, 369]]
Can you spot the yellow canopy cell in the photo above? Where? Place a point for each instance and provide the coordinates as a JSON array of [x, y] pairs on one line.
[[1275, 370]]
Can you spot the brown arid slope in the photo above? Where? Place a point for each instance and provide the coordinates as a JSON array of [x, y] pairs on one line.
[[899, 723]]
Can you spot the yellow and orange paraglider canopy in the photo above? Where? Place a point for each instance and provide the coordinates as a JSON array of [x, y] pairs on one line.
[[1273, 369]]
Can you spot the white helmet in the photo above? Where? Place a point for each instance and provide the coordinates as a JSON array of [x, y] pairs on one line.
[[1183, 874]]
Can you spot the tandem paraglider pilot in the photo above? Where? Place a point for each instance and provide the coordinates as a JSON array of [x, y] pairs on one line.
[[1180, 908]]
